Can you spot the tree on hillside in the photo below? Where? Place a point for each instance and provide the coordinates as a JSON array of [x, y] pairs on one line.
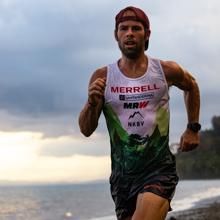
[[216, 124], [204, 162]]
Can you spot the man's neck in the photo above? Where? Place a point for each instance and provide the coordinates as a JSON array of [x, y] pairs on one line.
[[133, 68]]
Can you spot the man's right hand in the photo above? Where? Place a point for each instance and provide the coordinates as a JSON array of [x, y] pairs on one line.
[[96, 91]]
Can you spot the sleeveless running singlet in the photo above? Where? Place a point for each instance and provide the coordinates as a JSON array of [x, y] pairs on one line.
[[137, 117]]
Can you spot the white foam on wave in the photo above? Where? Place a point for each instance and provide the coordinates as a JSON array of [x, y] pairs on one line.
[[186, 203]]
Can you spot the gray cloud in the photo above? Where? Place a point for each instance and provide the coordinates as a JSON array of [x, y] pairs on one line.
[[49, 50]]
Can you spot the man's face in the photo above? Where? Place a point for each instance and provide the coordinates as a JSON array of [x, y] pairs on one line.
[[131, 37]]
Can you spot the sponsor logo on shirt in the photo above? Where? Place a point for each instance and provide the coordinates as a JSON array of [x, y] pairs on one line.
[[137, 97], [134, 105], [134, 89], [136, 120]]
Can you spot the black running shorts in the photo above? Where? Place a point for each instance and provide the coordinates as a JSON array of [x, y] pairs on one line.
[[161, 182]]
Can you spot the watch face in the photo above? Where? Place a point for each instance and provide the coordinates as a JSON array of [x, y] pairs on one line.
[[194, 127]]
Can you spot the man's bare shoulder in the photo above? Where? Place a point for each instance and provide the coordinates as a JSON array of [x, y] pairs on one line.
[[172, 71], [170, 67], [99, 73]]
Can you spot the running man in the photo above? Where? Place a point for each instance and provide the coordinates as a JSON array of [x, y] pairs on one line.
[[133, 95]]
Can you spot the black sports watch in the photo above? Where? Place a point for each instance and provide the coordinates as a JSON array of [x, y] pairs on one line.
[[195, 126]]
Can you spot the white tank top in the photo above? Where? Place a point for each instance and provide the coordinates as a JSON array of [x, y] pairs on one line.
[[140, 104]]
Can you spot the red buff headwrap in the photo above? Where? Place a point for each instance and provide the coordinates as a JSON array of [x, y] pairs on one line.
[[139, 16]]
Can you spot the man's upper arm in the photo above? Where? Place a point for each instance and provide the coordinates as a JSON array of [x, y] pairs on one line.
[[89, 116], [176, 76]]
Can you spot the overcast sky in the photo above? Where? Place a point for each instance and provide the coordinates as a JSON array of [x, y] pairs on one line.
[[48, 51]]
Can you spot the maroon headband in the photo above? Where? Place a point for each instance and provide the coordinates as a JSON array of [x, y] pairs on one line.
[[139, 16]]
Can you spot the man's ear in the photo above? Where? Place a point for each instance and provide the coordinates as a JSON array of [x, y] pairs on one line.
[[116, 36], [147, 34]]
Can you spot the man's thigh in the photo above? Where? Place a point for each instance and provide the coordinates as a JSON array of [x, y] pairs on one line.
[[150, 206]]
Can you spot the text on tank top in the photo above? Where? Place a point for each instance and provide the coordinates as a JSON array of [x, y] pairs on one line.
[[137, 105]]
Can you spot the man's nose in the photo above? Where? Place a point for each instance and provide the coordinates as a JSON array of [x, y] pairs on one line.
[[129, 32]]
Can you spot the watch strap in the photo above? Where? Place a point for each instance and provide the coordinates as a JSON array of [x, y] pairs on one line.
[[194, 126]]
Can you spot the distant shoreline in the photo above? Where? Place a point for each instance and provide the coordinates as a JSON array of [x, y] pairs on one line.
[[104, 181]]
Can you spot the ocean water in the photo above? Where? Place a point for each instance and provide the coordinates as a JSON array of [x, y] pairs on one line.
[[85, 201]]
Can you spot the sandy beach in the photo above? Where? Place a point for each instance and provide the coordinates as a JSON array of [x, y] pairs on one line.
[[204, 210]]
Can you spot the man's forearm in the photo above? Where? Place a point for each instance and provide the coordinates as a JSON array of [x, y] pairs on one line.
[[88, 119], [192, 102]]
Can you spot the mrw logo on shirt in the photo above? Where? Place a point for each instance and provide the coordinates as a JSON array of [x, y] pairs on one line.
[[135, 105]]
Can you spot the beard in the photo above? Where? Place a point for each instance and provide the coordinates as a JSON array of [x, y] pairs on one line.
[[134, 52]]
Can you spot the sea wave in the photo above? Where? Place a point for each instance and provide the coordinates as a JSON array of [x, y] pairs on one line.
[[186, 202], [189, 202]]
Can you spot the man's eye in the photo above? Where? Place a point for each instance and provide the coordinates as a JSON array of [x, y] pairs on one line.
[[123, 28], [136, 28]]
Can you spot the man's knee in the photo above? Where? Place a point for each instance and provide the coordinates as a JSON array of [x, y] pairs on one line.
[[150, 207]]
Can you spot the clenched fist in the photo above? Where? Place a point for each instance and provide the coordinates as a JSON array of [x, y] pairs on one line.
[[96, 91], [189, 140]]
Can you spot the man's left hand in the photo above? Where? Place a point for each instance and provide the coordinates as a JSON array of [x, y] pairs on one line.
[[189, 140]]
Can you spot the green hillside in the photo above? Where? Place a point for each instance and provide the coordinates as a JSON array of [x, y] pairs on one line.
[[204, 162]]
